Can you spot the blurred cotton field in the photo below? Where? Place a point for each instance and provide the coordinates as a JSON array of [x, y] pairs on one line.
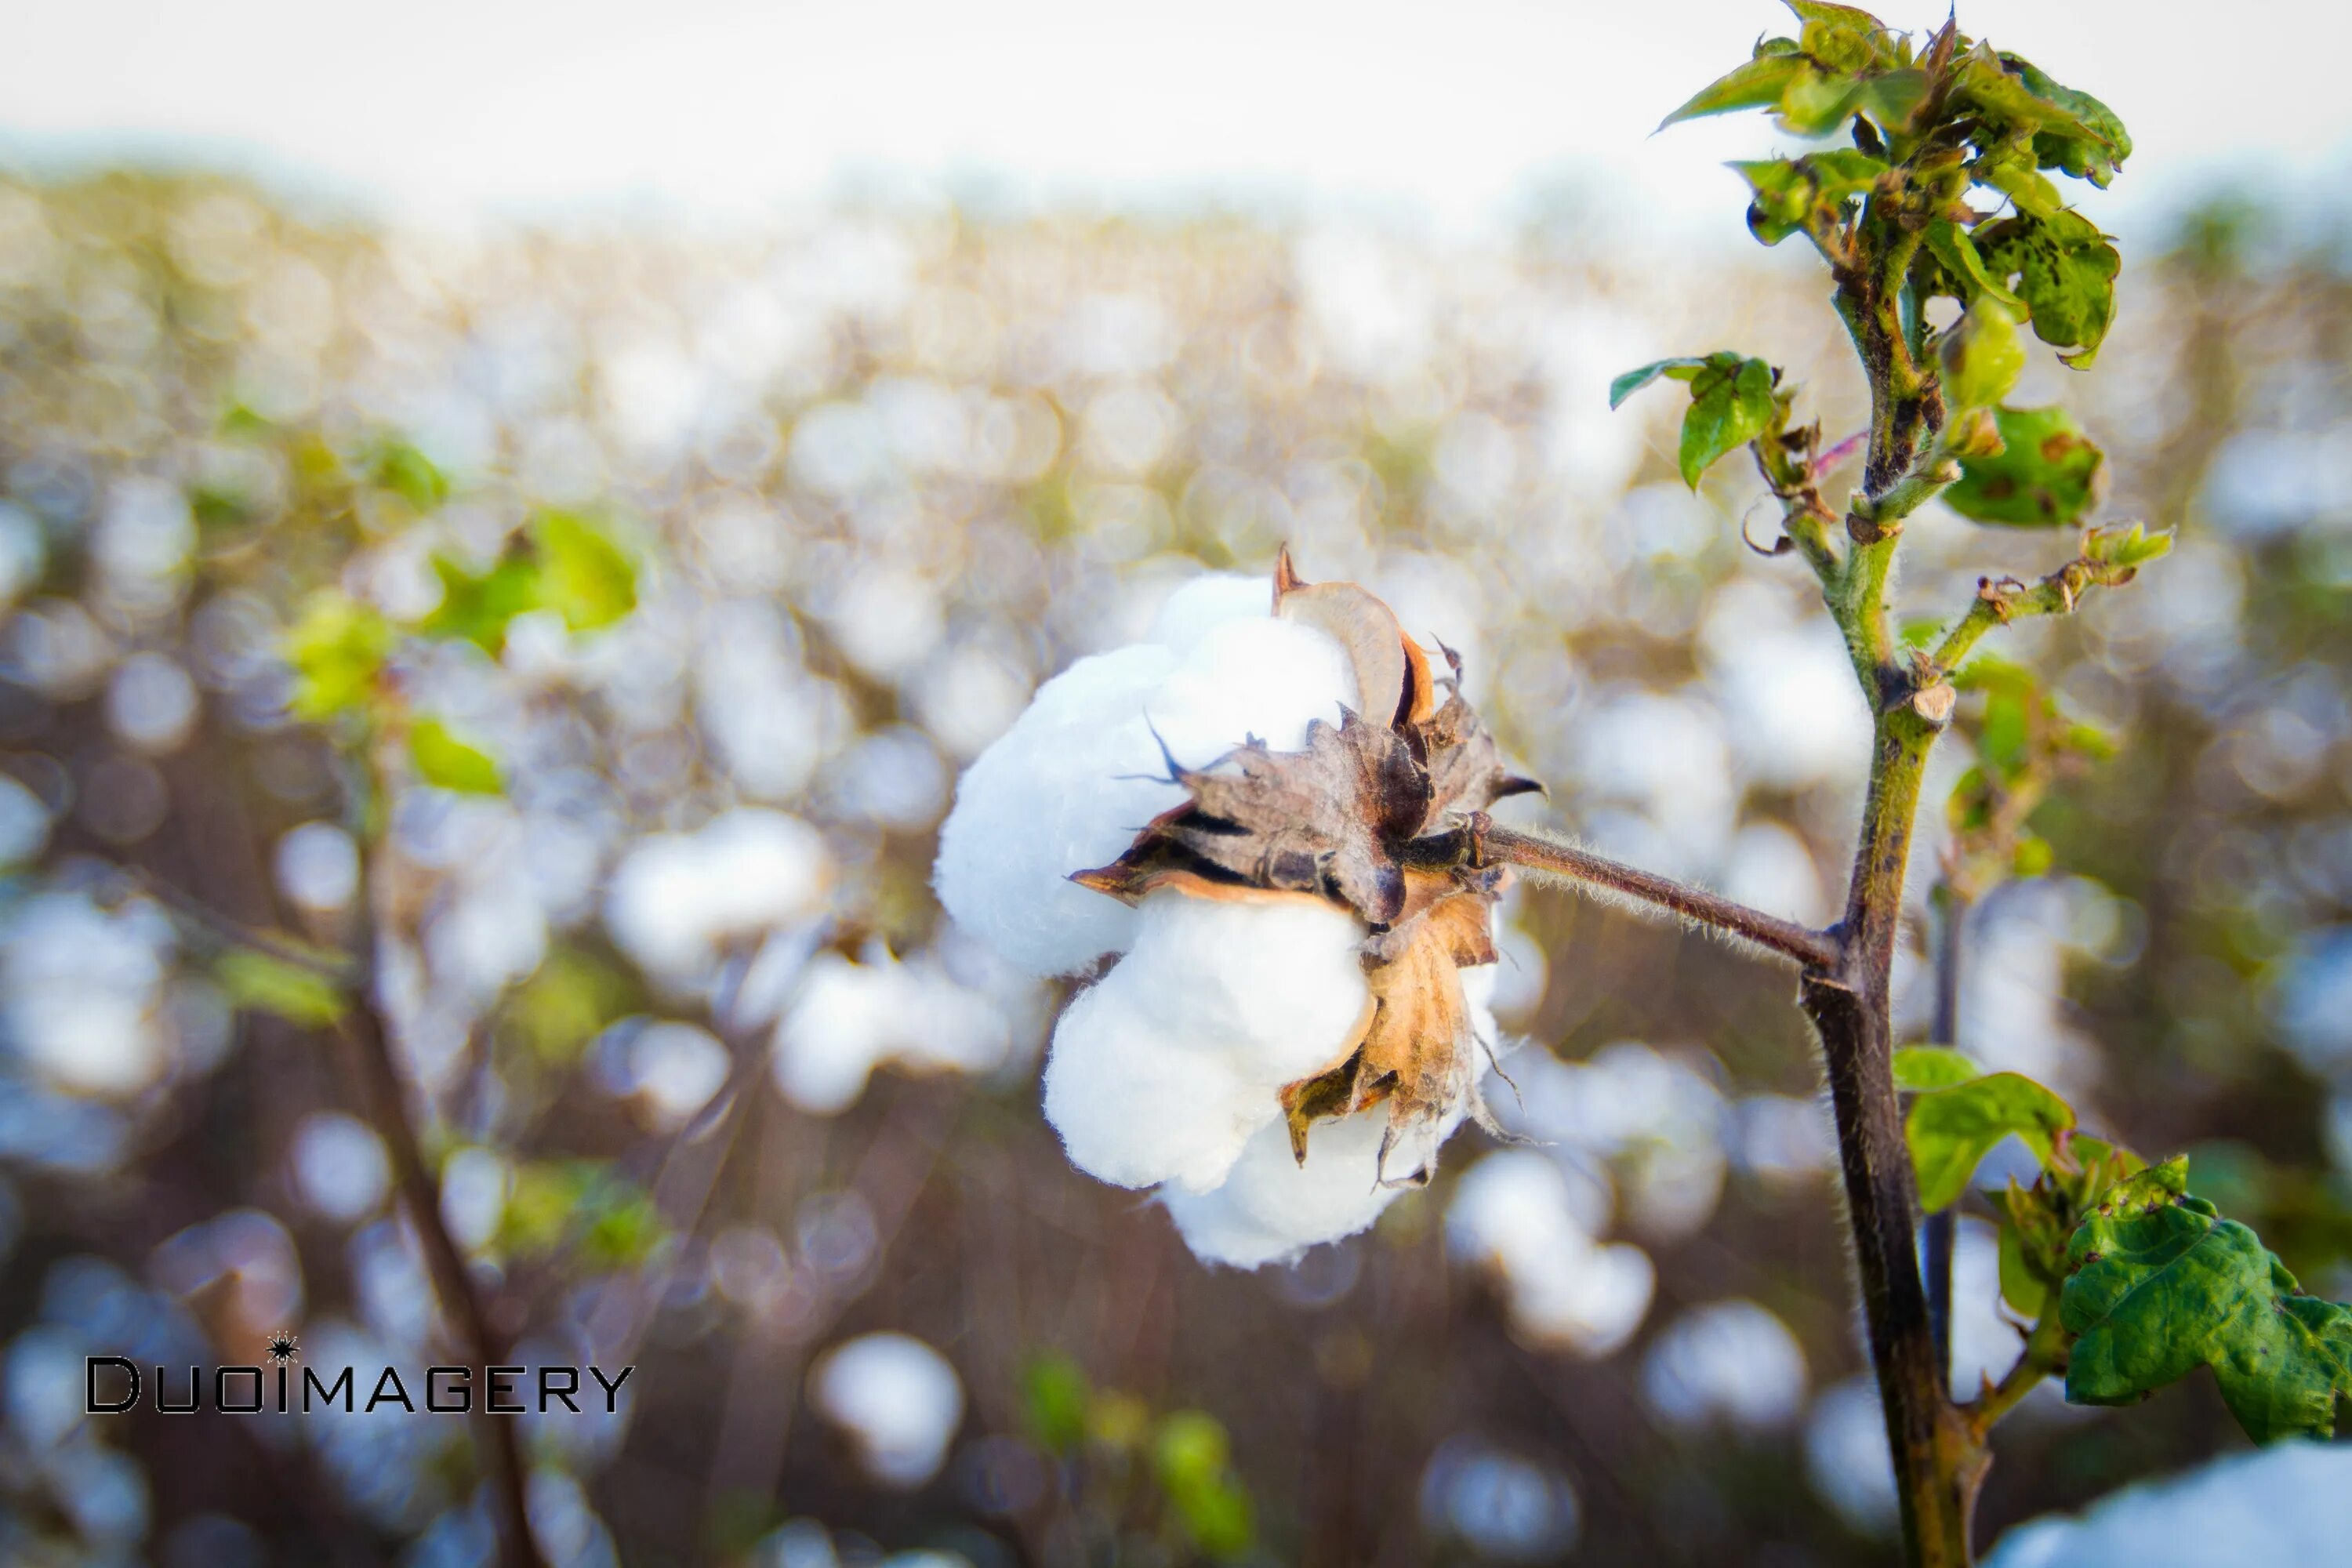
[[711, 1087]]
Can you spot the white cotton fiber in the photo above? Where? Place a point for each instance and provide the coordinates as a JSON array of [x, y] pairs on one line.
[[1270, 1208], [1081, 770], [1163, 1070], [1208, 601], [1064, 790], [2292, 1503]]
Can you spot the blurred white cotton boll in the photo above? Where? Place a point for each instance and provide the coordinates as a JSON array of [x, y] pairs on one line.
[[1731, 1361], [339, 1165], [897, 1399], [674, 1069], [848, 1019], [2292, 1503], [1083, 770], [1270, 1208], [80, 992], [318, 868], [150, 703], [1163, 1070], [1846, 1458], [23, 822], [678, 897], [1520, 1214]]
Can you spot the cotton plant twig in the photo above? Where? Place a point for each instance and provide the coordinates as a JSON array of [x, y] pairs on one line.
[[1482, 842]]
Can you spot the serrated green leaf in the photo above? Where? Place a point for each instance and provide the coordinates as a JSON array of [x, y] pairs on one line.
[[1950, 1130], [1921, 1068], [1981, 356], [1729, 408], [2066, 273], [337, 650], [584, 576], [1757, 84], [2092, 157], [1952, 247], [2047, 474], [2162, 1285], [447, 763], [2005, 100], [1681, 369], [258, 981]]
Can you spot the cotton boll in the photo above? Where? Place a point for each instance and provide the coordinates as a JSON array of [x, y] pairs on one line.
[[1163, 1070], [897, 1399], [1208, 601], [2292, 1503], [678, 897], [1083, 769], [849, 1018], [1263, 678], [1064, 790], [1270, 1208]]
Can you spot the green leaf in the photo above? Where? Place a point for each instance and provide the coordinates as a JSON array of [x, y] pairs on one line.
[[2013, 172], [1950, 1130], [1685, 369], [258, 981], [2067, 276], [2005, 100], [2092, 157], [2022, 1285], [1791, 194], [408, 473], [1918, 1068], [1950, 245], [447, 763], [2162, 1285], [585, 577], [1981, 356], [1054, 1396], [478, 608], [2126, 544], [337, 649], [1193, 1459], [1757, 84], [1729, 408], [2048, 473]]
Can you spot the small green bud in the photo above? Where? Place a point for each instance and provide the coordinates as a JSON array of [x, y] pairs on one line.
[[1982, 356]]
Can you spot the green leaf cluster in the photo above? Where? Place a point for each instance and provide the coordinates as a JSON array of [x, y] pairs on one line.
[[1186, 1455], [2161, 1285], [1734, 399], [1806, 194], [1957, 1114], [337, 648], [585, 1209], [565, 561]]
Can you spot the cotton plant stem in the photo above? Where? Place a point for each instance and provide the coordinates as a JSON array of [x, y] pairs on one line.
[[1952, 914], [1547, 857], [1937, 1461], [383, 1094]]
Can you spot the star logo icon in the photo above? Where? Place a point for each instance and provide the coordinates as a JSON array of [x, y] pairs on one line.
[[284, 1347]]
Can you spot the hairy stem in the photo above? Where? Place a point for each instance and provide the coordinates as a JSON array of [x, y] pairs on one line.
[[1952, 913], [1937, 1460], [1550, 857]]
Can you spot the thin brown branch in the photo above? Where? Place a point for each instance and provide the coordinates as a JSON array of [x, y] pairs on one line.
[[384, 1097], [1550, 857]]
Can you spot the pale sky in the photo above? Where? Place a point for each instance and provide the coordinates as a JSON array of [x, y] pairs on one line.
[[1443, 111]]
